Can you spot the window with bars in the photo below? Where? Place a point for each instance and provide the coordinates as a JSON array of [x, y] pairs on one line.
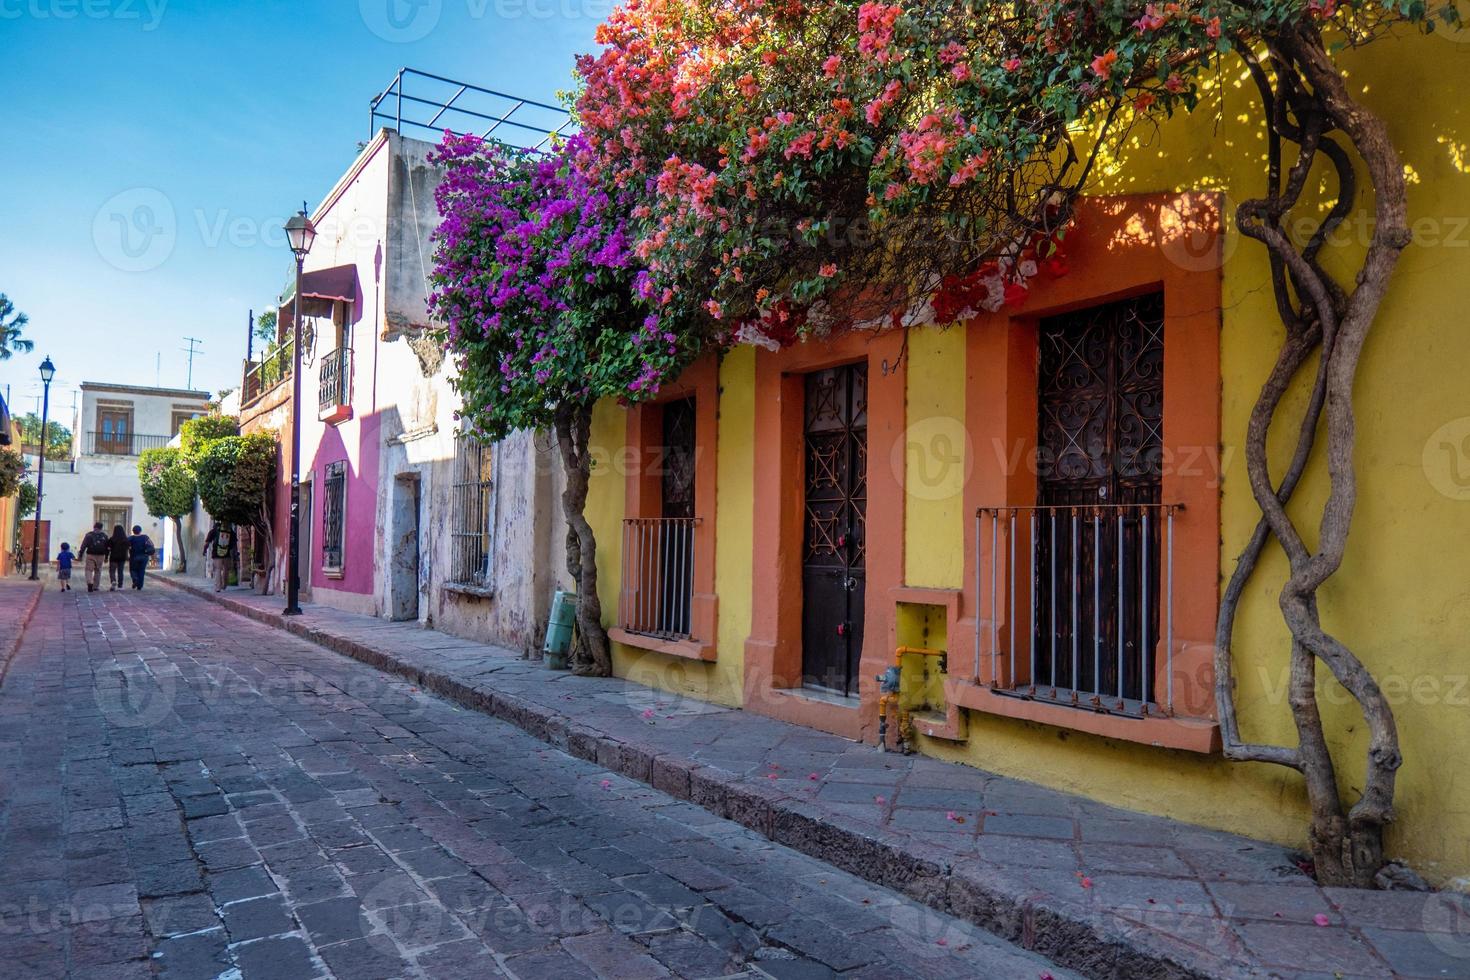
[[469, 530], [334, 515]]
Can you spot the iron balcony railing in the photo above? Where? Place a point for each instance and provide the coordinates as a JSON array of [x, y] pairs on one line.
[[658, 577], [1079, 599], [121, 443], [335, 381], [261, 376], [430, 104]]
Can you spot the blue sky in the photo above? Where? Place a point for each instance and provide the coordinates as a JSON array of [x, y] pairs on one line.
[[154, 148]]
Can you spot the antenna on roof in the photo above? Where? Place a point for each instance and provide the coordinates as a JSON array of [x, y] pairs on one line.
[[191, 350]]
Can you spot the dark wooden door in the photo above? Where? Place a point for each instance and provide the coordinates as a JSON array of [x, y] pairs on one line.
[[676, 544], [1101, 422], [833, 562]]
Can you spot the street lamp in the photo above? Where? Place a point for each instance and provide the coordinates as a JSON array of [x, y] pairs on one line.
[[48, 371], [300, 233]]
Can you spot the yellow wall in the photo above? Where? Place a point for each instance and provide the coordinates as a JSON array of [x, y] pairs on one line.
[[1402, 600]]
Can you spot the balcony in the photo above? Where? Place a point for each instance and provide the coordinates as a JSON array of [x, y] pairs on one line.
[[335, 387], [120, 443], [263, 375]]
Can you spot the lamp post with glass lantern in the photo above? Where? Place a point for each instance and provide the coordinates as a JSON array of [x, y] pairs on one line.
[[48, 371], [300, 233]]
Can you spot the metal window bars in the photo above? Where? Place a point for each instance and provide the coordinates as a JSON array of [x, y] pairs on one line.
[[469, 531], [334, 514], [1077, 604], [658, 577], [430, 104], [334, 383]]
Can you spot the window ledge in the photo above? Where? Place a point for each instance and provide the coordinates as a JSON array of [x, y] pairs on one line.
[[1188, 734], [335, 414], [688, 649], [472, 591]]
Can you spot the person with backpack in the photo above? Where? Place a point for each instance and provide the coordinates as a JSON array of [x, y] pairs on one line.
[[221, 547], [117, 557], [140, 550], [95, 548]]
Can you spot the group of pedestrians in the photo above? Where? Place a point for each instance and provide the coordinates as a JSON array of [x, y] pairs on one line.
[[114, 552]]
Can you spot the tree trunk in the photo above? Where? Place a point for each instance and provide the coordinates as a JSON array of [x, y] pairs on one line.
[[573, 429], [181, 551], [1307, 103]]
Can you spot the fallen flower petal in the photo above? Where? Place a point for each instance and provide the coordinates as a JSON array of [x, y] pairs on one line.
[[1321, 919]]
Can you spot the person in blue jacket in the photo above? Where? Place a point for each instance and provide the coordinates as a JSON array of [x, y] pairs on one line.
[[140, 550], [63, 566]]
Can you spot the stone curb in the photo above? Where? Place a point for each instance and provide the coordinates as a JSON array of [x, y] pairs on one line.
[[1087, 940], [21, 625]]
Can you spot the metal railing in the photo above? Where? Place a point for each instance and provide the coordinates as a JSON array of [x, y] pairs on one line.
[[658, 577], [432, 104], [334, 384], [1079, 599], [121, 444], [263, 375]]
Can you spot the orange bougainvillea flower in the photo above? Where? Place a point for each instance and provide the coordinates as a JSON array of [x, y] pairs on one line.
[[1102, 65]]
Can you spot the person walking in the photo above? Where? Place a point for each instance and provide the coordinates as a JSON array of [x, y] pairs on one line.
[[221, 547], [63, 567], [140, 551], [95, 549], [117, 557]]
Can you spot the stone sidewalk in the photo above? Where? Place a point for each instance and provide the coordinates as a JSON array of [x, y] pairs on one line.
[[1108, 892], [18, 600]]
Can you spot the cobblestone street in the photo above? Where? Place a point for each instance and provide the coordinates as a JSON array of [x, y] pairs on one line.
[[186, 793]]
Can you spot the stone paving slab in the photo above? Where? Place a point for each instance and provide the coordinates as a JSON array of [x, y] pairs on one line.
[[1105, 891], [369, 829]]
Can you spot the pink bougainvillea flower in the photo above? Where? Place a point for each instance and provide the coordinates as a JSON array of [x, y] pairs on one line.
[[829, 270], [1321, 919], [606, 784]]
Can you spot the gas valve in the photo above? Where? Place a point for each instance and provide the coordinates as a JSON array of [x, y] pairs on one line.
[[888, 681]]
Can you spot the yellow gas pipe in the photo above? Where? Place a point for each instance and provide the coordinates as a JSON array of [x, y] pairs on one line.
[[888, 699]]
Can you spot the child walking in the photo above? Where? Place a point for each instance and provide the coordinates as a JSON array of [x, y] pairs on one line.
[[63, 567]]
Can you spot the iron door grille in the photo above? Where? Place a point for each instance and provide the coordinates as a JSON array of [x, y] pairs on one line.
[[334, 515]]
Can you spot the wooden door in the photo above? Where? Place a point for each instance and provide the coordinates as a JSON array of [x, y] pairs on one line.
[[1101, 421], [27, 540], [833, 554], [114, 431]]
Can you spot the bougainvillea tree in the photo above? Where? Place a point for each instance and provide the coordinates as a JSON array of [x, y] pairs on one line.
[[820, 165], [534, 285]]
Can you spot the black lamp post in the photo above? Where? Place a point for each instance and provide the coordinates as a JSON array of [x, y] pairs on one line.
[[48, 371], [300, 232]]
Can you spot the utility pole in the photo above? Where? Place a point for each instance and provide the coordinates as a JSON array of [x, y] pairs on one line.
[[250, 336], [191, 350]]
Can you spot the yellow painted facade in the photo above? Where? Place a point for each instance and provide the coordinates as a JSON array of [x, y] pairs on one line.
[[1402, 599]]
